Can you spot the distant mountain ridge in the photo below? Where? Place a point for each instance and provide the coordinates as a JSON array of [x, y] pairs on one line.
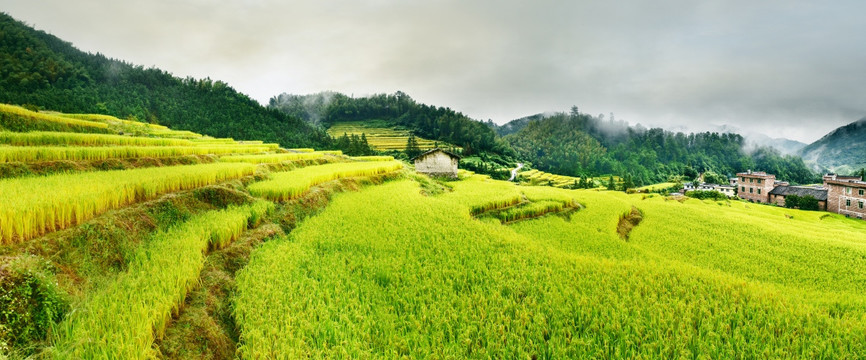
[[42, 70], [842, 150]]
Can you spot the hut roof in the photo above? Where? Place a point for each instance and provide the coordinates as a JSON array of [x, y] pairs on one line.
[[817, 193], [431, 151]]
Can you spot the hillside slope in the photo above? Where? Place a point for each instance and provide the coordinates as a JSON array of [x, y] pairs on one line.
[[578, 144], [40, 69], [842, 150]]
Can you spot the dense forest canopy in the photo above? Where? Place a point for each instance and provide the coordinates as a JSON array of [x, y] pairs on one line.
[[579, 144], [39, 69], [439, 123]]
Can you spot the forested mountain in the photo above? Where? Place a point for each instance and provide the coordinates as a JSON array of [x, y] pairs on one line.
[[576, 144], [842, 150], [431, 122], [40, 69]]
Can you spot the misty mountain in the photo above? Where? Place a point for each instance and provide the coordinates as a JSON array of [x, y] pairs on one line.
[[515, 125], [579, 144], [42, 70], [842, 150], [785, 146]]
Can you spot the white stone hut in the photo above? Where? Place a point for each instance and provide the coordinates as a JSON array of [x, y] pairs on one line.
[[437, 162]]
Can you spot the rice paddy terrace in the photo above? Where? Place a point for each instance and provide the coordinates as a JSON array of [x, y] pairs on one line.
[[381, 136], [134, 241]]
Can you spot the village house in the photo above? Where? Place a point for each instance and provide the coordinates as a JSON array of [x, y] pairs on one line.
[[778, 194], [726, 189], [846, 195], [755, 186], [437, 162]]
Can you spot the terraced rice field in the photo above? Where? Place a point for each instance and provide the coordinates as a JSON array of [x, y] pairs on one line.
[[110, 264], [380, 137]]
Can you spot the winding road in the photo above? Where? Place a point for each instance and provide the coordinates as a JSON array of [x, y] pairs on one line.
[[514, 171]]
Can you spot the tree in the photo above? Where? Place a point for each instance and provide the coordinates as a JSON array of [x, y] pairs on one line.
[[412, 149], [610, 184]]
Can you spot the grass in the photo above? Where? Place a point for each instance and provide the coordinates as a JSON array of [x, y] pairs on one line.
[[372, 158], [43, 204], [393, 280], [285, 186], [89, 153], [122, 319], [656, 187]]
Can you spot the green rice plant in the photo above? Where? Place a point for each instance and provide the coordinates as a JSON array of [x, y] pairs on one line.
[[175, 134], [533, 210], [43, 138], [16, 118], [272, 158], [481, 194], [113, 120], [122, 318], [33, 206], [372, 158], [390, 273], [212, 141], [90, 153], [285, 186]]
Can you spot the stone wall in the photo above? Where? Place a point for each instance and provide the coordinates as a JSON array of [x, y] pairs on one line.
[[437, 164]]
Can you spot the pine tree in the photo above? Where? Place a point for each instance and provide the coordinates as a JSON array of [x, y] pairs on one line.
[[412, 149], [610, 184]]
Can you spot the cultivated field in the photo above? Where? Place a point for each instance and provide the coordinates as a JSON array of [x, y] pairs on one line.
[[225, 249], [382, 137]]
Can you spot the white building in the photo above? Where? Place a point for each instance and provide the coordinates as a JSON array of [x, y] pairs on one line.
[[437, 162]]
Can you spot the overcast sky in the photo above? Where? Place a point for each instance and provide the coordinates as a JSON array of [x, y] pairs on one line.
[[793, 69]]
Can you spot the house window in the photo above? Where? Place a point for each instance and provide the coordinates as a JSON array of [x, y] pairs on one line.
[[848, 191], [743, 179], [759, 181], [860, 204], [743, 188], [860, 192], [759, 191], [751, 180], [848, 202], [751, 190]]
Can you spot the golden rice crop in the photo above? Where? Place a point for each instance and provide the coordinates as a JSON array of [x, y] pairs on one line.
[[114, 120], [382, 138], [391, 273], [42, 138], [90, 153], [122, 319], [32, 206], [302, 150], [16, 118], [272, 158], [372, 158], [287, 185]]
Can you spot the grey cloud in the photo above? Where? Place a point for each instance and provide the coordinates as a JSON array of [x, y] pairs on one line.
[[783, 68]]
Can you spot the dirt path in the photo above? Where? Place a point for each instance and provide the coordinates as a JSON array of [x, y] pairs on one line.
[[514, 171]]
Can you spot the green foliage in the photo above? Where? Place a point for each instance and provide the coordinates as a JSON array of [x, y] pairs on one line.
[[842, 150], [398, 109], [38, 68], [574, 144], [30, 302], [354, 145], [707, 195], [807, 202], [412, 149]]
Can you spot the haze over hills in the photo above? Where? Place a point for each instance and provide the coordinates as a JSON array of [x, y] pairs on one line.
[[42, 70], [843, 150]]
